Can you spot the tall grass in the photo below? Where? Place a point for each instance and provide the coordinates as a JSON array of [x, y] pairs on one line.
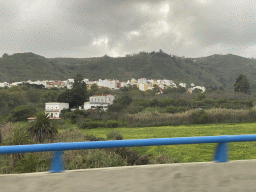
[[215, 115], [73, 159]]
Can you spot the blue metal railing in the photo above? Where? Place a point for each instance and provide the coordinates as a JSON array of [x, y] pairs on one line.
[[57, 162]]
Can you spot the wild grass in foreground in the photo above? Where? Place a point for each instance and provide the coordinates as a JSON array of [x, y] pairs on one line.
[[74, 159]]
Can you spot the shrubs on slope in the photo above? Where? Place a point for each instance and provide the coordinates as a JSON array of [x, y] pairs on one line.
[[215, 115]]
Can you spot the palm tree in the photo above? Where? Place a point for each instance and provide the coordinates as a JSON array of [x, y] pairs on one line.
[[19, 136], [43, 128]]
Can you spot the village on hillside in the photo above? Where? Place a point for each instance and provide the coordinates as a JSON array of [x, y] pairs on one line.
[[143, 84]]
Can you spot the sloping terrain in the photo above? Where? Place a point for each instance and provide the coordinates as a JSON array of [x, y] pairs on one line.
[[219, 70]]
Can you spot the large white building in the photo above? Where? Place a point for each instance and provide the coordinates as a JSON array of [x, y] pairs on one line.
[[54, 109], [101, 101]]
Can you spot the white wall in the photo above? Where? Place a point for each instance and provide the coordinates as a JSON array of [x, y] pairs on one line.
[[54, 109]]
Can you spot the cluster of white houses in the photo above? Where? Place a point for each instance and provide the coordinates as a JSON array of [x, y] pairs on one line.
[[101, 101], [143, 84]]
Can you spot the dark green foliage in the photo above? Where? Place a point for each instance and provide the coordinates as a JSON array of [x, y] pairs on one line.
[[75, 96], [34, 95], [49, 96], [200, 96], [181, 102], [114, 135], [170, 109], [123, 101], [27, 164], [199, 117], [173, 109], [34, 86], [197, 90], [112, 123], [43, 128], [242, 84], [89, 124], [115, 108], [90, 137], [143, 160], [93, 90], [169, 90], [65, 113], [132, 108], [11, 98], [21, 113]]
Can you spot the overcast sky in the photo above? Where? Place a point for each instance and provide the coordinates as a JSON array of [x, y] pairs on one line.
[[87, 28]]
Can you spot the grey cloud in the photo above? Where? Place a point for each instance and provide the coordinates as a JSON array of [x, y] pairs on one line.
[[191, 28]]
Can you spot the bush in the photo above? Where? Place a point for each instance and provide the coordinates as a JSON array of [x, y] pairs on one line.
[[112, 124], [21, 113], [143, 160], [114, 135], [170, 109], [93, 138], [161, 159], [199, 117], [200, 96], [89, 124], [27, 165]]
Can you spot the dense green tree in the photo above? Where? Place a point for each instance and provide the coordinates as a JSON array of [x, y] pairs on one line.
[[75, 96], [49, 96], [200, 96], [94, 88], [21, 113], [155, 89], [34, 95], [179, 89], [132, 88], [242, 84], [43, 128], [124, 100], [103, 91]]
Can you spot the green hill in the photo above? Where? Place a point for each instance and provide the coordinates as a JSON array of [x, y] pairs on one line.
[[219, 70]]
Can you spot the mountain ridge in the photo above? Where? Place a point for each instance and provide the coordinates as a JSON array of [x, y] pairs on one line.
[[214, 70]]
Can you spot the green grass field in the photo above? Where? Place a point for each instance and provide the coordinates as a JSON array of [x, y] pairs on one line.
[[189, 152]]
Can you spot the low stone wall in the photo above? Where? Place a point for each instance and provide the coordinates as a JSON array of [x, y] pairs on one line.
[[204, 176]]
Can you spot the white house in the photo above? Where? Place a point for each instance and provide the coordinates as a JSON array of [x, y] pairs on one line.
[[101, 101], [143, 86], [4, 84], [199, 87], [183, 85], [54, 109], [142, 80]]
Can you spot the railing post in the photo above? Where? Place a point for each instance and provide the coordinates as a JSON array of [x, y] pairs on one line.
[[220, 153], [57, 162]]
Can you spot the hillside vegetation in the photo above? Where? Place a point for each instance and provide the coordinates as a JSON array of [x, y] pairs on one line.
[[215, 70]]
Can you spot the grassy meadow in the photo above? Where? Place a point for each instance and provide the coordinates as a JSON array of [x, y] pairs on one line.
[[191, 152], [96, 158]]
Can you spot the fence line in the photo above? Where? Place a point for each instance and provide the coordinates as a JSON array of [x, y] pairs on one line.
[[57, 163]]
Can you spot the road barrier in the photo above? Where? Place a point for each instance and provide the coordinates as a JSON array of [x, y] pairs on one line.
[[57, 162]]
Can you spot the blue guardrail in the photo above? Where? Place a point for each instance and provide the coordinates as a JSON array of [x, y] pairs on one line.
[[57, 162]]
